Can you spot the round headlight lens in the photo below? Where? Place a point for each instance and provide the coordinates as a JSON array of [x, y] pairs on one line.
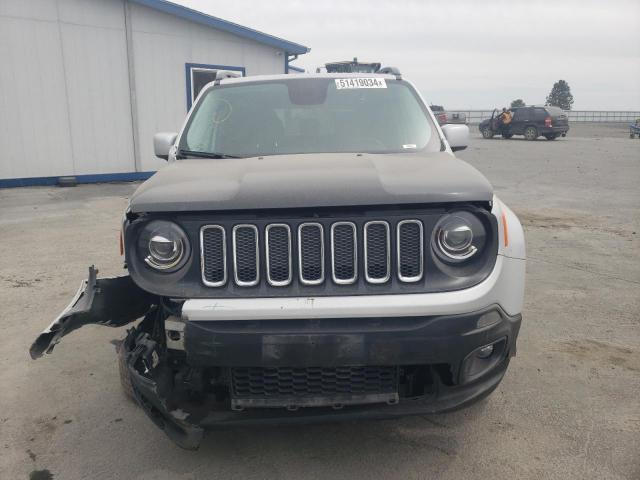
[[459, 236], [164, 245], [164, 250]]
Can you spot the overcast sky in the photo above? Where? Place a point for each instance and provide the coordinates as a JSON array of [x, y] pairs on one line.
[[467, 54]]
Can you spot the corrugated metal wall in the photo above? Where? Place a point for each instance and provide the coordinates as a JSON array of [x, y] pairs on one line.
[[65, 101], [65, 80], [95, 58], [34, 120]]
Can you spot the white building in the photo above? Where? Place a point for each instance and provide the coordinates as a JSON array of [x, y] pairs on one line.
[[84, 84]]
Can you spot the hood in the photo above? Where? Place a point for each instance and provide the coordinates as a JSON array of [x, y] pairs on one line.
[[310, 180]]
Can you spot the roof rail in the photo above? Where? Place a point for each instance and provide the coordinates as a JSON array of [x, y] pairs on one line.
[[392, 71], [222, 74]]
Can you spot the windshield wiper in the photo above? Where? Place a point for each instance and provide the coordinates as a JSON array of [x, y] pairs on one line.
[[191, 153]]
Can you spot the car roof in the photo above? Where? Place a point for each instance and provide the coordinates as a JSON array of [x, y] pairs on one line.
[[262, 78]]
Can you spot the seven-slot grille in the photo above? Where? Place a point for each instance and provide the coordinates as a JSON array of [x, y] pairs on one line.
[[241, 260]]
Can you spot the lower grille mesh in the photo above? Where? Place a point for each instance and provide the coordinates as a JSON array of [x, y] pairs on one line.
[[256, 382]]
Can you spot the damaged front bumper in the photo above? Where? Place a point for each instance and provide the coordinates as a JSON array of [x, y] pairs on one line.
[[116, 302], [188, 391], [182, 372], [113, 302]]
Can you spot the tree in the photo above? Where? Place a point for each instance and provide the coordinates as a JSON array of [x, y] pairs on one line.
[[518, 103], [560, 95]]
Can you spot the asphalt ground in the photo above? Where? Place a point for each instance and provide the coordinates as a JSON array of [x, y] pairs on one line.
[[568, 408]]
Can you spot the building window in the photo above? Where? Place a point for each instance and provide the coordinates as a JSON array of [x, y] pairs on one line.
[[199, 74]]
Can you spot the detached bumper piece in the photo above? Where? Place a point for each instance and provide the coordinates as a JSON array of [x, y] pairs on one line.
[[112, 302]]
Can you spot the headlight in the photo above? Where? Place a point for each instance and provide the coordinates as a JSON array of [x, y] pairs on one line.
[[163, 245], [458, 237]]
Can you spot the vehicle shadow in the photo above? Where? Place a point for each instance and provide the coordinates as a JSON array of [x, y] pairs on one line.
[[377, 448], [518, 139]]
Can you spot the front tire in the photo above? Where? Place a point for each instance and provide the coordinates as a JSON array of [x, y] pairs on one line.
[[530, 133], [487, 133]]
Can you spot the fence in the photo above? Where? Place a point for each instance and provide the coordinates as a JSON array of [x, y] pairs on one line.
[[476, 116]]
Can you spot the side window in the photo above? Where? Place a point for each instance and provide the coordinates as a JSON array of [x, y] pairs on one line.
[[523, 114], [198, 75], [540, 114]]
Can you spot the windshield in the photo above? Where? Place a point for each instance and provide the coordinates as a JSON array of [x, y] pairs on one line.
[[311, 115]]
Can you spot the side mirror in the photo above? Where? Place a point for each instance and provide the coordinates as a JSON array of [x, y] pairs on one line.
[[457, 136], [162, 143]]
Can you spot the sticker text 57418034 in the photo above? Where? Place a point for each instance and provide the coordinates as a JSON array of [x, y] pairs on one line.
[[342, 83]]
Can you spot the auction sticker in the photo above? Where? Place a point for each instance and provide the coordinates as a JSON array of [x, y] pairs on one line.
[[342, 83]]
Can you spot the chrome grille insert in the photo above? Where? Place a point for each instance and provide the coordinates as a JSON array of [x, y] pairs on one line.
[[213, 255], [278, 254], [410, 249], [311, 253], [246, 256], [344, 253], [377, 258]]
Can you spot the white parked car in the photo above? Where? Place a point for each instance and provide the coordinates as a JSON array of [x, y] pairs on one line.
[[313, 250]]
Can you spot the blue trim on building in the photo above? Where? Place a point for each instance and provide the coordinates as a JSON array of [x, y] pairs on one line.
[[189, 66], [93, 178], [225, 26]]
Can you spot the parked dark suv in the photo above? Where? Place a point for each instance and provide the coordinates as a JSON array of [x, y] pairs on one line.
[[532, 122]]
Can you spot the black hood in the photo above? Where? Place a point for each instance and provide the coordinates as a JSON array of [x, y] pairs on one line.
[[310, 180]]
